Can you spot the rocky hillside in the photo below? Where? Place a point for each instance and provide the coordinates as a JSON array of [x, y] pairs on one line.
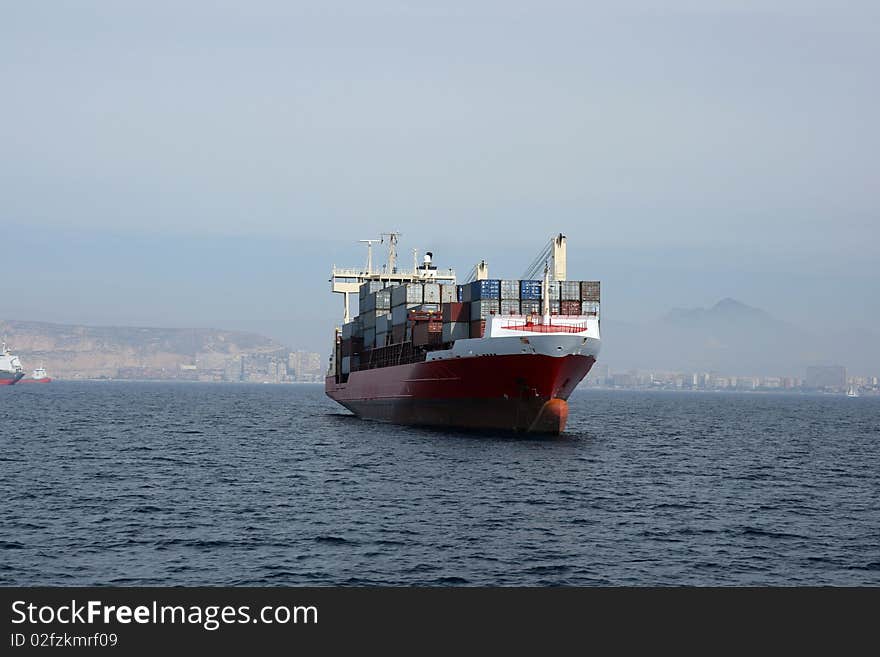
[[69, 351]]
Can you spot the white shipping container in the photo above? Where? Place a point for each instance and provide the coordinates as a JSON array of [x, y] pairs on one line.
[[448, 294], [432, 293], [509, 306], [590, 308], [482, 309], [510, 289]]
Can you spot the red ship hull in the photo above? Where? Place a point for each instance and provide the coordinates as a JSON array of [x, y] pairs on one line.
[[46, 380], [520, 392], [8, 379]]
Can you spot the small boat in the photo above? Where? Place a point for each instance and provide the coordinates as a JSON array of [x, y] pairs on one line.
[[852, 391], [39, 376]]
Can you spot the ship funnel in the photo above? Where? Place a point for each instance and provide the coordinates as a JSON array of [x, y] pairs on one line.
[[428, 258]]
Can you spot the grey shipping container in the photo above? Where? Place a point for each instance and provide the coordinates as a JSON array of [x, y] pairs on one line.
[[590, 290], [346, 364], [407, 294], [482, 309], [448, 294], [590, 308], [382, 339], [510, 289], [399, 313], [368, 303], [570, 290], [432, 293], [453, 331], [383, 323], [383, 299], [369, 318], [347, 330], [554, 290], [369, 336], [509, 306], [530, 306], [554, 307]]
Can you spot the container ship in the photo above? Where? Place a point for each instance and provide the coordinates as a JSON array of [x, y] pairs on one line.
[[10, 367], [486, 354]]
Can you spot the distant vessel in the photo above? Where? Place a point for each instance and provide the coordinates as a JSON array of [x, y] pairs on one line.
[[488, 354], [852, 391], [39, 376], [10, 367]]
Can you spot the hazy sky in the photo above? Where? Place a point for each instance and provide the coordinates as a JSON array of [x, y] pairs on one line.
[[180, 163]]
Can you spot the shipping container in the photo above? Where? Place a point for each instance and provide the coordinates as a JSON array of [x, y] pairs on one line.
[[382, 339], [428, 308], [345, 347], [485, 289], [369, 318], [529, 306], [347, 330], [346, 364], [570, 290], [478, 327], [456, 312], [590, 290], [464, 293], [570, 308], [448, 294], [510, 307], [482, 309], [368, 303], [407, 294], [369, 286], [554, 307], [383, 299], [509, 289], [427, 333], [398, 333], [590, 308], [432, 293], [530, 289], [453, 331], [554, 290], [399, 313], [370, 336], [383, 323]]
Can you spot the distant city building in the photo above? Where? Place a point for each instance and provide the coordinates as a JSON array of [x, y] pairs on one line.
[[826, 377]]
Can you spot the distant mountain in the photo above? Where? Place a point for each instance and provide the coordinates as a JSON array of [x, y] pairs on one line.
[[733, 338], [69, 351]]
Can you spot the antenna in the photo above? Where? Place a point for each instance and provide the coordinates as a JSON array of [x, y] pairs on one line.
[[369, 244], [393, 238]]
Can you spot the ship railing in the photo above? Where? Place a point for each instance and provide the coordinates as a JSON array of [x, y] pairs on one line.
[[534, 327]]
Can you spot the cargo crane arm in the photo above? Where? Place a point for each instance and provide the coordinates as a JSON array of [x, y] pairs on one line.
[[552, 256]]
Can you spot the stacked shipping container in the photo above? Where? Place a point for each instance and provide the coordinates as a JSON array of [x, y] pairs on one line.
[[431, 314]]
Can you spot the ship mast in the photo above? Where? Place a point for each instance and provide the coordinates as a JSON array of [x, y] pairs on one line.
[[545, 295]]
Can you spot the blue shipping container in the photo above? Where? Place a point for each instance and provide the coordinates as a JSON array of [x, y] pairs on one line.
[[485, 289], [530, 289]]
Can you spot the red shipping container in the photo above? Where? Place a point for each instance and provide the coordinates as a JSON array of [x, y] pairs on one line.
[[570, 308], [456, 312], [478, 327]]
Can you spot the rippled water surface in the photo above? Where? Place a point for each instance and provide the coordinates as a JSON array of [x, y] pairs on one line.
[[155, 484]]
